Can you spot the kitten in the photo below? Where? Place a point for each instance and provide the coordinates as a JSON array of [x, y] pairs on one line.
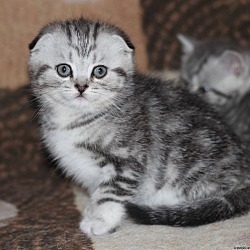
[[139, 145], [220, 72]]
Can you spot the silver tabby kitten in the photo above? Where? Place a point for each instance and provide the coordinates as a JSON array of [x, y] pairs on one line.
[[220, 73], [139, 146]]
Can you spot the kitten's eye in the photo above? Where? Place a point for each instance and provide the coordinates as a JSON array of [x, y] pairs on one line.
[[64, 70], [204, 89], [99, 71]]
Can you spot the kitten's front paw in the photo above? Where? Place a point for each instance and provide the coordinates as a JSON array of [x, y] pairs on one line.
[[102, 219], [96, 227]]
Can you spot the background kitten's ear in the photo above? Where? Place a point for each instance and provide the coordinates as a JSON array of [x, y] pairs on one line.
[[187, 43], [40, 39], [232, 62], [126, 46]]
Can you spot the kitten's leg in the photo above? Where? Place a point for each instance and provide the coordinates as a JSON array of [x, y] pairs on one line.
[[106, 209]]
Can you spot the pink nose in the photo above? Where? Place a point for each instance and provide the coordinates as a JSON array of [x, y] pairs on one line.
[[81, 88]]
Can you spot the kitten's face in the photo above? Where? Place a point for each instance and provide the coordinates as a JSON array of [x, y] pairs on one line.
[[213, 84], [82, 70], [218, 78]]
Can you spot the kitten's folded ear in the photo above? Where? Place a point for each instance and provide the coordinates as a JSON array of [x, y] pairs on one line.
[[38, 40], [233, 62], [124, 44], [187, 43], [34, 42]]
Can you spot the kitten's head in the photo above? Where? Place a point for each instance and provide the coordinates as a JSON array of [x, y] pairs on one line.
[[81, 64], [214, 69]]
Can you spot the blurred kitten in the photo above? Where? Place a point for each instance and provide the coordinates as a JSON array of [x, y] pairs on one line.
[[220, 73]]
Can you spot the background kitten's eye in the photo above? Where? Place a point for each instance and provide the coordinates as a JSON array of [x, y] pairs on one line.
[[204, 89], [99, 71], [64, 70]]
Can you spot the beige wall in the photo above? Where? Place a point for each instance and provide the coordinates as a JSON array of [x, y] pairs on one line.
[[20, 20]]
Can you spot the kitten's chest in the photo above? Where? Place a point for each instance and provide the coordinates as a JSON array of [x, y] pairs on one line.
[[77, 161]]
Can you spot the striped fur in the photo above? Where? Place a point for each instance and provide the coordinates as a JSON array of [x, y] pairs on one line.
[[132, 141]]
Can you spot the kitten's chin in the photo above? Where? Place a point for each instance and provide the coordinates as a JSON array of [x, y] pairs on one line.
[[83, 105], [80, 102]]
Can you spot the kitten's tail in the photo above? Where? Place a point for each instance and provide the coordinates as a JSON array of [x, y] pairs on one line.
[[194, 214]]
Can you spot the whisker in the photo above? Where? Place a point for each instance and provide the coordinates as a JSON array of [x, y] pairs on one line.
[[30, 102], [35, 115], [112, 103]]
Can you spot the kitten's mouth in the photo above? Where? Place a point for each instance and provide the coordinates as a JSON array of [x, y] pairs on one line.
[[80, 96]]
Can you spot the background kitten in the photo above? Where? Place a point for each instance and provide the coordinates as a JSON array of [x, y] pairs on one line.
[[220, 73], [136, 143]]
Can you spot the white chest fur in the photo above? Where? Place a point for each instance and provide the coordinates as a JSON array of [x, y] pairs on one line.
[[78, 163]]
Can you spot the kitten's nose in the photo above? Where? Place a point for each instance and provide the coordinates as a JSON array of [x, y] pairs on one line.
[[81, 88]]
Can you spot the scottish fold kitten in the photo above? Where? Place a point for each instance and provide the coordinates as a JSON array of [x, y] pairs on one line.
[[140, 146], [220, 73]]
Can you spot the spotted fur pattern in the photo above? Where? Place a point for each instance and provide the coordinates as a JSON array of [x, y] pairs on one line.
[[138, 145]]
